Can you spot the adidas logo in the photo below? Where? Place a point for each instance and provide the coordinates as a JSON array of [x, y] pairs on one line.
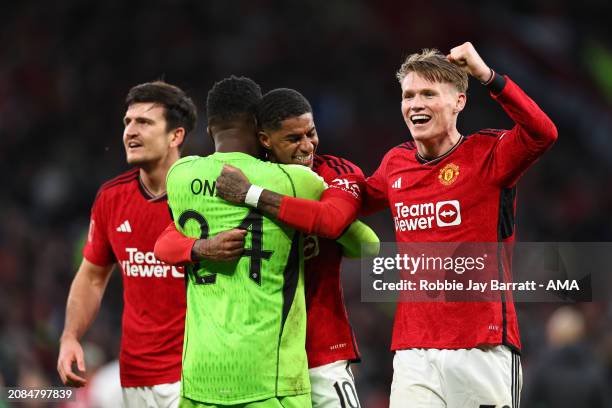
[[397, 183], [124, 227]]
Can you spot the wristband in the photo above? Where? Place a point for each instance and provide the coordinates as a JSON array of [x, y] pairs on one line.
[[496, 86], [252, 196], [491, 77]]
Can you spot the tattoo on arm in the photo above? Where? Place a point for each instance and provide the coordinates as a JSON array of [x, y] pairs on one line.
[[269, 202], [198, 250]]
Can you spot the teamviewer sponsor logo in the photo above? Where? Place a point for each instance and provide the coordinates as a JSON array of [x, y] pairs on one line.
[[448, 213], [145, 265], [413, 217]]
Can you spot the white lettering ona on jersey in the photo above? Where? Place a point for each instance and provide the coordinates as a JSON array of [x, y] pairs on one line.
[[412, 217], [145, 265]]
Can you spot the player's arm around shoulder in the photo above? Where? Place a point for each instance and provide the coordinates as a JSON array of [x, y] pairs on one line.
[[346, 181], [281, 181]]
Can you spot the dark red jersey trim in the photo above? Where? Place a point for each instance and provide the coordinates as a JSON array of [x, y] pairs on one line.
[[117, 181], [505, 229], [147, 194], [422, 160], [491, 132], [407, 145], [347, 164], [340, 166], [500, 269], [497, 85], [121, 179], [316, 164], [357, 358], [506, 213], [334, 165]]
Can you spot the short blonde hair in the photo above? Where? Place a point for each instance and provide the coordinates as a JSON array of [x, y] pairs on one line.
[[432, 65]]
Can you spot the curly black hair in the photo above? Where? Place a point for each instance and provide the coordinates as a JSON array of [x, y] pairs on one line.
[[280, 104], [232, 98]]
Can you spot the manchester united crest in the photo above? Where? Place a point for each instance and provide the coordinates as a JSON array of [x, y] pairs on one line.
[[448, 174]]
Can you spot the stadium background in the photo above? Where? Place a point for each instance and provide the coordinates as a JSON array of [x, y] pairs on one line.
[[66, 67]]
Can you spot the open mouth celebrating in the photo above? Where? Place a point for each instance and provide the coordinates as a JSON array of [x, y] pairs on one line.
[[420, 119]]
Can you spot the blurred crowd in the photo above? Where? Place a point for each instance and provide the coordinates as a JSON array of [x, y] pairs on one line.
[[67, 65]]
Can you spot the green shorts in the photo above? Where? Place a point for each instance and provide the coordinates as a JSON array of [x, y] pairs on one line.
[[294, 401]]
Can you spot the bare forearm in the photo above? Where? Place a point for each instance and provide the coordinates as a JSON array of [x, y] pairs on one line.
[[83, 303], [203, 249], [269, 202]]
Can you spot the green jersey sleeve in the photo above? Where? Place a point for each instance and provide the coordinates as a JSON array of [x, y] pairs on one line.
[[359, 241], [305, 182]]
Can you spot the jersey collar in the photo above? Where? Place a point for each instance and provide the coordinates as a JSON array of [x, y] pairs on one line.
[[233, 155], [147, 194], [435, 160]]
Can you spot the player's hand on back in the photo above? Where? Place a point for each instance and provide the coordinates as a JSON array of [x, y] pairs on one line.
[[466, 57], [71, 352], [232, 185], [225, 246]]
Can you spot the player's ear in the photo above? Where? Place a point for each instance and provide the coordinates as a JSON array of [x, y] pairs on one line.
[[460, 103], [177, 137], [264, 139]]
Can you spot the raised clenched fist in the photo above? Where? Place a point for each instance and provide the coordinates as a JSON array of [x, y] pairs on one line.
[[466, 57]]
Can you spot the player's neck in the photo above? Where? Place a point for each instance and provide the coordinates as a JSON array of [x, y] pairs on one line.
[[153, 178], [236, 140], [436, 147]]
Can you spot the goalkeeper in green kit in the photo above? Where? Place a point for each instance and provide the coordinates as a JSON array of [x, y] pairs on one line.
[[245, 324]]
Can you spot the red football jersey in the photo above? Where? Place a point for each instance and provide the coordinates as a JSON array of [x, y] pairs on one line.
[[125, 223], [467, 195], [329, 336]]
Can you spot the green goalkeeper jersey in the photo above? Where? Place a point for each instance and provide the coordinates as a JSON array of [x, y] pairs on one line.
[[246, 320]]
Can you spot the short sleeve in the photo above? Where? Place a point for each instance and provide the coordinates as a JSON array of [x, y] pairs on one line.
[[375, 196], [97, 249]]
